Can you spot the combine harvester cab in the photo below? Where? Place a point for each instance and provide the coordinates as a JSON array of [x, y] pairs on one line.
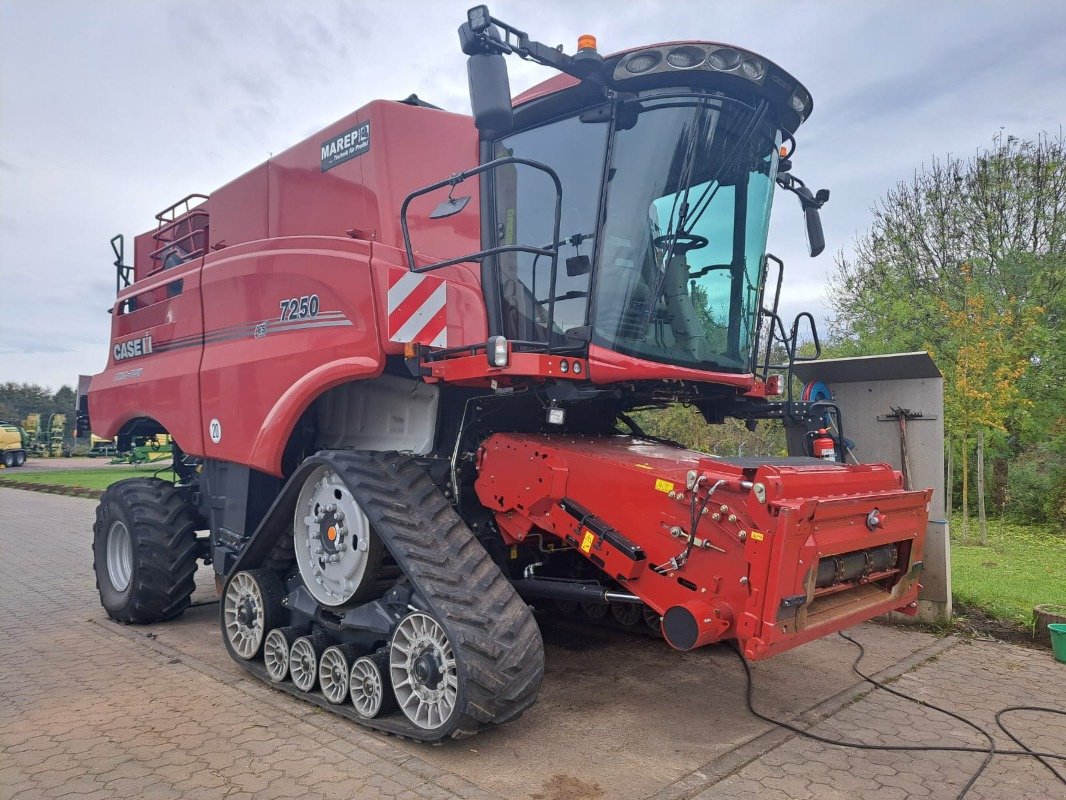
[[400, 409]]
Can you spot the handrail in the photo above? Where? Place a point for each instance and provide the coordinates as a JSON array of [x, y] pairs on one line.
[[455, 180], [161, 216]]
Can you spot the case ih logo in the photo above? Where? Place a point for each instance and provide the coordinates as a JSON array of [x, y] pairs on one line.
[[346, 146], [417, 308], [133, 348]]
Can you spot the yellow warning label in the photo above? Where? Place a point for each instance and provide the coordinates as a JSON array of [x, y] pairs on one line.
[[756, 536], [587, 541], [663, 486], [514, 552]]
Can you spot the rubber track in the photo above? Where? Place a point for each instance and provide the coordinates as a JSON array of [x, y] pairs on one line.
[[496, 639], [166, 547]]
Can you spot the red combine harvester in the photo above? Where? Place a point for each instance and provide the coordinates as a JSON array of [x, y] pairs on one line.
[[402, 411]]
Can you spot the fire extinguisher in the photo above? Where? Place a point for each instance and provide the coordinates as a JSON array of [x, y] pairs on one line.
[[823, 445]]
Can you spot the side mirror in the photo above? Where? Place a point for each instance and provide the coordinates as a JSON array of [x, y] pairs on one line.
[[811, 204], [450, 207], [578, 265], [815, 236], [490, 93]]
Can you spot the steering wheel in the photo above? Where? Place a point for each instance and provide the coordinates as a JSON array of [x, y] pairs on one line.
[[683, 242]]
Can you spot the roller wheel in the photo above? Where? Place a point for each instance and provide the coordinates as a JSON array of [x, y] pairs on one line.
[[424, 671], [627, 613], [567, 607], [653, 621], [251, 606], [338, 554], [144, 551], [334, 668], [303, 660], [369, 685], [594, 611], [276, 652]]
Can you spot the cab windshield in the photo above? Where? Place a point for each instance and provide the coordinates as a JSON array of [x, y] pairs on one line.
[[671, 259]]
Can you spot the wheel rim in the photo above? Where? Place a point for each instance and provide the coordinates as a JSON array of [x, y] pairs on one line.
[[331, 536], [276, 655], [367, 686], [423, 670], [119, 556], [303, 664], [333, 675], [244, 615]]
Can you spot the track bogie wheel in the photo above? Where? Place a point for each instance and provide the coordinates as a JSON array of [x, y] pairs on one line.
[[276, 648], [424, 671], [144, 550], [369, 685], [627, 614], [251, 606], [653, 621], [595, 611], [303, 660], [334, 668]]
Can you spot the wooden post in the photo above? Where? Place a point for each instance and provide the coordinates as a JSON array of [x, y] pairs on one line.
[[981, 486]]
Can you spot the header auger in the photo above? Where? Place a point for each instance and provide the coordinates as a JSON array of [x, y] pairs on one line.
[[397, 364]]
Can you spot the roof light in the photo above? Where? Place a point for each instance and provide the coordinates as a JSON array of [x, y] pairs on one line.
[[642, 62], [685, 57], [753, 68], [586, 41], [724, 58]]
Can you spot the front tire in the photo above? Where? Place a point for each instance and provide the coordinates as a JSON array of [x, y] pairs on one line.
[[144, 551]]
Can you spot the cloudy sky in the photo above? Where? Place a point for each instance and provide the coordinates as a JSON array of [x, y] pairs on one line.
[[112, 109]]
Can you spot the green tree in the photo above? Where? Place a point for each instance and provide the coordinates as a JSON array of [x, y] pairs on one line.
[[1001, 211]]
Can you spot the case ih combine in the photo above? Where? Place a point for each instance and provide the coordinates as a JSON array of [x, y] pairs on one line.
[[400, 411]]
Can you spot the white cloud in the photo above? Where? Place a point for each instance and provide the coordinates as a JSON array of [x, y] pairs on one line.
[[110, 111]]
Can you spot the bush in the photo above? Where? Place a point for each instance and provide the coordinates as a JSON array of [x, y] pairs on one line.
[[1036, 485]]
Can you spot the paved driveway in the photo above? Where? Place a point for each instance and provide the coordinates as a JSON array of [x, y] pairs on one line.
[[89, 708]]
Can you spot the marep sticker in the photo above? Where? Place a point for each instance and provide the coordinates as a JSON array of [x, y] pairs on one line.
[[346, 146]]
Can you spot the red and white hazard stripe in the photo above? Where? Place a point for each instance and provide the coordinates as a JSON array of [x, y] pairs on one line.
[[417, 308]]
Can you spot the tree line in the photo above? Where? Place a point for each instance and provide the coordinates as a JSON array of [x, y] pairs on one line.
[[967, 259]]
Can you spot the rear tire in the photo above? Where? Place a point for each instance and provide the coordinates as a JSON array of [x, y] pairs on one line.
[[144, 551], [9, 459], [20, 458]]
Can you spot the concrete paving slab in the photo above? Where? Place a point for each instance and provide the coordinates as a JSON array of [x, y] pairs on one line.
[[161, 711]]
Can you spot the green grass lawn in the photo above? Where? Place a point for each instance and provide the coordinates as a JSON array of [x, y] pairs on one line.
[[85, 478], [1022, 566]]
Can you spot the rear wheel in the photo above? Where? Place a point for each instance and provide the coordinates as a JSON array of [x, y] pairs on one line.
[[144, 551], [20, 458], [9, 459]]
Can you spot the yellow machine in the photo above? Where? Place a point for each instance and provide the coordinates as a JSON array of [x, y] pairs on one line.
[[12, 445]]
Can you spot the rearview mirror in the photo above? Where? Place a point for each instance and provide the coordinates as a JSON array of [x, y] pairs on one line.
[[490, 93], [578, 265], [815, 236]]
